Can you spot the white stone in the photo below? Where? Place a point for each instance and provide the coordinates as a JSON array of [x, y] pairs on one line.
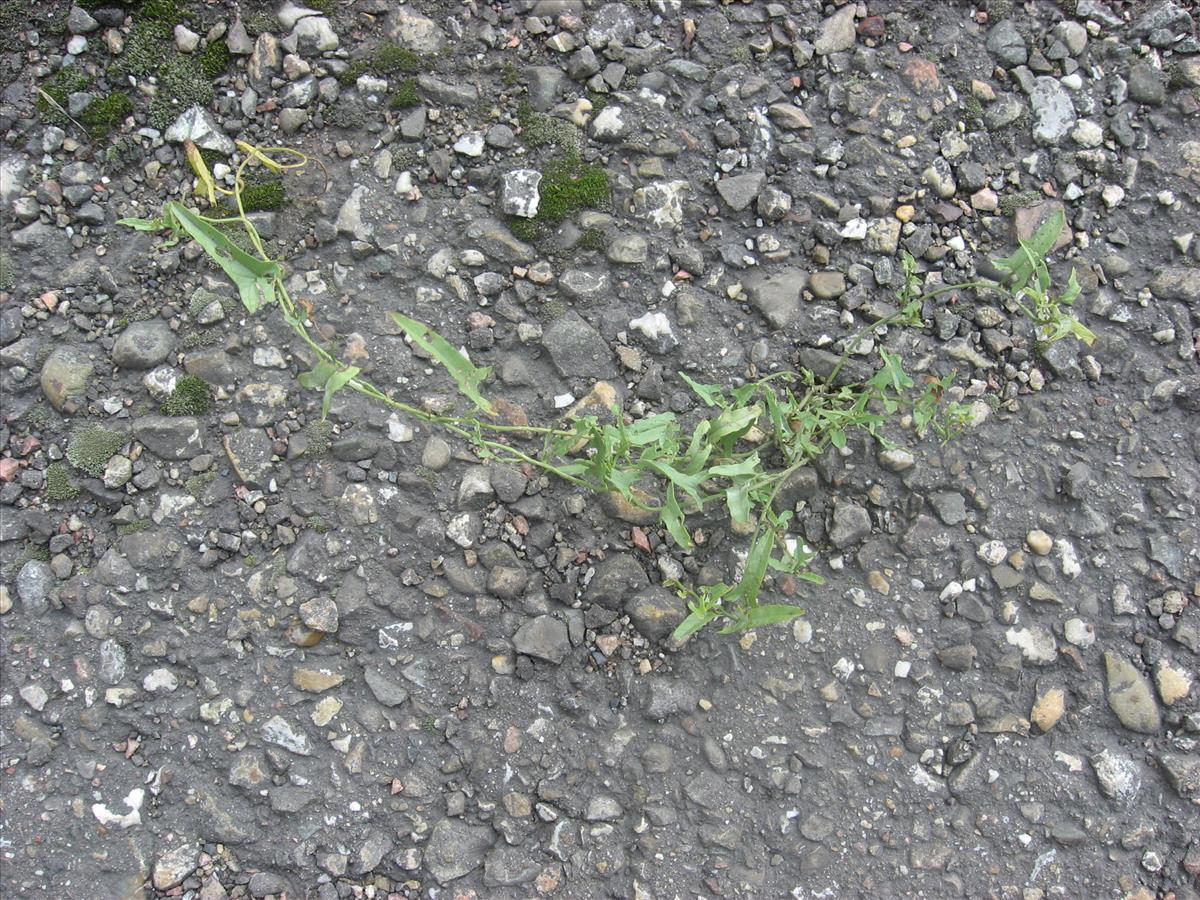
[[653, 325], [470, 144], [196, 124], [1087, 133], [520, 194]]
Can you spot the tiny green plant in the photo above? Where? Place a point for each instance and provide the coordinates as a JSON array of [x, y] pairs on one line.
[[739, 455]]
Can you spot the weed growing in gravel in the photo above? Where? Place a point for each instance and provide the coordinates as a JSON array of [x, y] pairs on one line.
[[738, 457], [90, 449]]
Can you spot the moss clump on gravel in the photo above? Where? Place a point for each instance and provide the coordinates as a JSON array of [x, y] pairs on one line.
[[196, 484], [59, 486], [263, 196], [568, 188], [59, 87], [386, 60], [406, 95], [134, 527], [91, 448], [320, 436], [192, 397], [1010, 203], [8, 275], [106, 113], [181, 84], [541, 130], [215, 59]]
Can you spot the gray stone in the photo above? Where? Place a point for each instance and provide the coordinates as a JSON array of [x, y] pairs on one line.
[[617, 577], [582, 284], [655, 612], [1053, 112], [1130, 695], [171, 437], [1177, 283], [519, 194], [196, 124], [661, 202], [613, 23], [628, 249], [174, 866], [415, 32], [249, 771], [79, 21], [475, 490], [143, 345], [65, 375], [34, 581], [113, 661], [1007, 44], [278, 731], [544, 637], [851, 524], [577, 349], [456, 848], [350, 216], [315, 33], [250, 453], [494, 239], [837, 32], [950, 506], [387, 690], [773, 204], [1119, 776], [1147, 84], [457, 93], [377, 845], [509, 866], [1183, 773], [740, 191], [777, 295], [263, 884]]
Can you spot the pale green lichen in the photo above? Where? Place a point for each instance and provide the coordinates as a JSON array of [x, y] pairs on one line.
[[91, 448]]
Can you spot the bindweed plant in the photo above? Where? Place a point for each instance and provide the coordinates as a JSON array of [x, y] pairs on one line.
[[739, 456]]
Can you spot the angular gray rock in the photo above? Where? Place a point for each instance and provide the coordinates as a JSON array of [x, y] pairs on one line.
[[544, 637], [740, 191], [777, 294], [171, 437], [456, 848], [616, 578], [196, 124], [577, 349], [1053, 111]]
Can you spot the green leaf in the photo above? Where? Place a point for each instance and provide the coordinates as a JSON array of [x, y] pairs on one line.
[[144, 224], [466, 375], [316, 378], [672, 518], [1021, 266], [651, 430], [1081, 331], [693, 623], [255, 278], [1046, 236], [837, 437], [747, 466], [711, 394], [336, 382], [1072, 292], [733, 423], [762, 616], [737, 498]]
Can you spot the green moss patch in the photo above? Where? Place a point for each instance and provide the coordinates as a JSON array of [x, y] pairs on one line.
[[214, 60], [406, 95], [192, 397], [105, 114], [91, 448], [263, 195], [181, 84], [59, 486], [386, 60]]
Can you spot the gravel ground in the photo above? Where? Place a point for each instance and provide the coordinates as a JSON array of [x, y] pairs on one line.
[[247, 654]]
